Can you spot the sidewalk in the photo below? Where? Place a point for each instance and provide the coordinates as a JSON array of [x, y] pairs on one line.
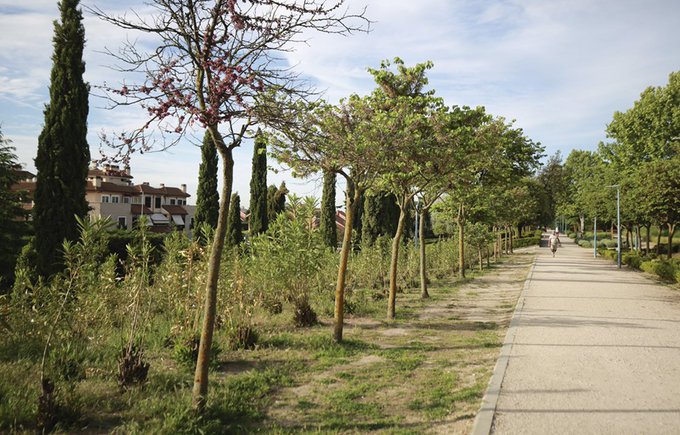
[[594, 350]]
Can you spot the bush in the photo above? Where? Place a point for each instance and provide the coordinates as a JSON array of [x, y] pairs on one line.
[[631, 259], [663, 269], [608, 243], [525, 241], [585, 243]]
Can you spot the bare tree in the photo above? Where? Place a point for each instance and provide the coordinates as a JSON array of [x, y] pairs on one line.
[[218, 64]]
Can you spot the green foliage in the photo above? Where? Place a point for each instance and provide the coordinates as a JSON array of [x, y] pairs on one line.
[[234, 235], [284, 263], [526, 241], [207, 196], [327, 225], [632, 260], [380, 216], [259, 220], [63, 152], [13, 227], [585, 243], [663, 269]]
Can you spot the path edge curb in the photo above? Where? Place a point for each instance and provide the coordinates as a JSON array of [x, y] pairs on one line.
[[487, 412]]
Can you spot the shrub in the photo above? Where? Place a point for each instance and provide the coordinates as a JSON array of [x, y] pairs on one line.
[[585, 243], [631, 259], [525, 241], [662, 269], [609, 243], [289, 263]]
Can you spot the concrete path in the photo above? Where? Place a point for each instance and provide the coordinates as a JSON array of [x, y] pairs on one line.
[[594, 350]]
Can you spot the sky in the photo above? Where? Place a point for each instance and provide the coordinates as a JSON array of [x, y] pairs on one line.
[[559, 68]]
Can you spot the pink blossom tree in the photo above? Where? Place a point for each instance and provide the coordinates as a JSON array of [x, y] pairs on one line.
[[217, 64]]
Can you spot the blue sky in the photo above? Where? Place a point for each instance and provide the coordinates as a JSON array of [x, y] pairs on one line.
[[560, 68]]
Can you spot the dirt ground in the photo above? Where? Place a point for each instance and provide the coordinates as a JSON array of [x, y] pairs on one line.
[[424, 373]]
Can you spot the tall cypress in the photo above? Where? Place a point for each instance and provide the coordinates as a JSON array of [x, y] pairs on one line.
[[63, 153], [234, 229], [329, 232], [381, 216], [207, 195], [258, 187], [280, 198], [271, 203]]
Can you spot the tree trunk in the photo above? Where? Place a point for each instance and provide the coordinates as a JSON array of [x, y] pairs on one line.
[[391, 303], [200, 390], [511, 240], [423, 265], [648, 228], [671, 231], [629, 237], [461, 240], [495, 245], [350, 207], [582, 226], [658, 242], [481, 258]]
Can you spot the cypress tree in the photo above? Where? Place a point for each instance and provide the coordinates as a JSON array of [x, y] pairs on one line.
[[63, 153], [207, 195], [271, 203], [258, 187], [380, 217], [280, 198], [329, 231], [234, 229]]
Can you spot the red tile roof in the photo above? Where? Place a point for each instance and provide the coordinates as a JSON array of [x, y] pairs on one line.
[[175, 209], [137, 209], [112, 187]]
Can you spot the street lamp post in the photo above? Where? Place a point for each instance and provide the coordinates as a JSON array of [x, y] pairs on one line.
[[595, 237]]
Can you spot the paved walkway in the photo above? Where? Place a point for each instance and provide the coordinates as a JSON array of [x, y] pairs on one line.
[[595, 350]]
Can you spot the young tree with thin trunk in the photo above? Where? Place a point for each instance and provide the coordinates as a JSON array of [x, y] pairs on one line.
[[63, 153], [342, 139], [328, 227], [216, 64], [258, 187], [207, 196]]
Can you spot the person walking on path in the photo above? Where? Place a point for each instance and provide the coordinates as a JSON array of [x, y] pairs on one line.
[[554, 242]]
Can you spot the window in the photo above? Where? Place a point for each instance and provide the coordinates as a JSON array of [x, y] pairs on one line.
[[105, 198], [122, 222], [158, 202], [126, 200], [147, 201], [172, 202], [115, 199]]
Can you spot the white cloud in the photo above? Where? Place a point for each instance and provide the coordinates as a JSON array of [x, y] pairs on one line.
[[560, 67]]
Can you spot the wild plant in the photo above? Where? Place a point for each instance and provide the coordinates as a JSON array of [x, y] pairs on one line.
[[285, 264]]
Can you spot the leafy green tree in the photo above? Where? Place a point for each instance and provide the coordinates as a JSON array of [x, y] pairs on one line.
[[234, 227], [207, 196], [328, 228], [650, 130], [63, 153], [12, 222], [660, 194], [258, 187], [340, 139], [555, 186]]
